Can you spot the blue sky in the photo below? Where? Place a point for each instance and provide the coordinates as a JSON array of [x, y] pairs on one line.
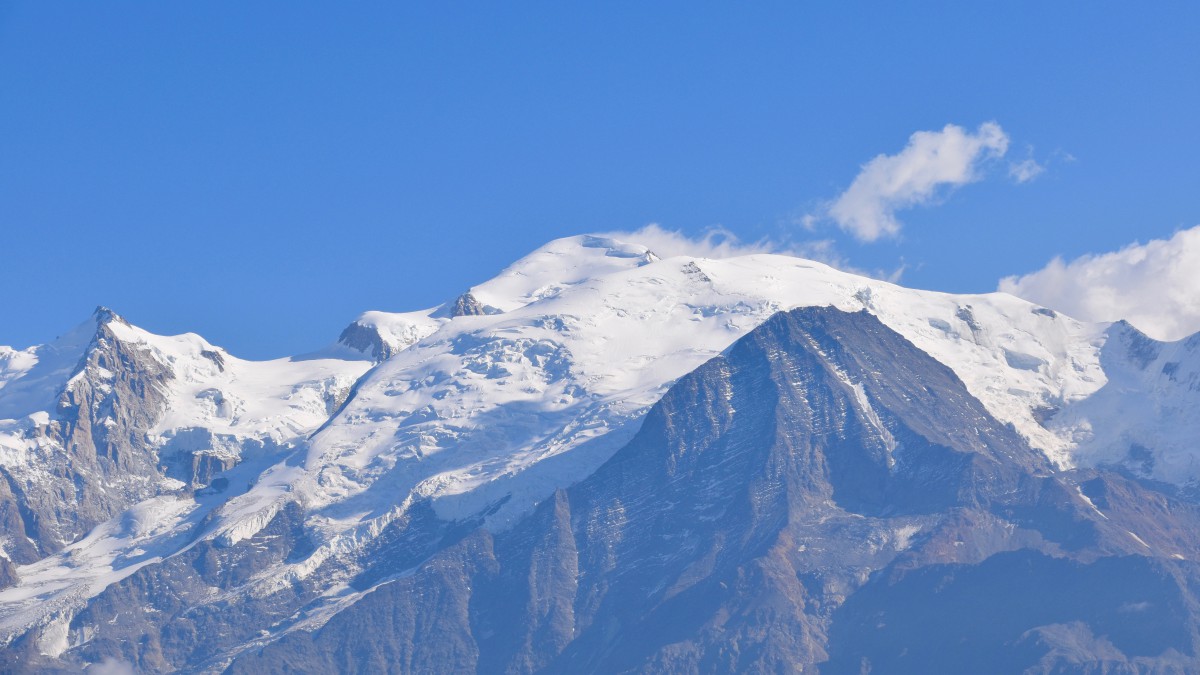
[[260, 173]]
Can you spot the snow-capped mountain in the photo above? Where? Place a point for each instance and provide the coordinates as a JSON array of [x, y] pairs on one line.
[[129, 456]]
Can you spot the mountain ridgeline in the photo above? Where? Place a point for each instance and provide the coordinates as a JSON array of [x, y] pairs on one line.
[[825, 497], [605, 461]]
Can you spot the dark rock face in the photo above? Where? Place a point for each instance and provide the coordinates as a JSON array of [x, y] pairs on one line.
[[170, 629], [8, 573], [207, 465], [826, 498], [823, 498], [367, 340], [16, 520], [1011, 612]]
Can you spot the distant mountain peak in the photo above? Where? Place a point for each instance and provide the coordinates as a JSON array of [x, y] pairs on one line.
[[103, 315]]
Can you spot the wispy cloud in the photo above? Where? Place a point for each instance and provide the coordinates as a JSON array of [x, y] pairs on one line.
[[933, 163], [1025, 170], [1155, 286], [1022, 171]]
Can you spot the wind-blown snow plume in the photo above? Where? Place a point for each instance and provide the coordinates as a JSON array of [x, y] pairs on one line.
[[1154, 286], [718, 243], [931, 162]]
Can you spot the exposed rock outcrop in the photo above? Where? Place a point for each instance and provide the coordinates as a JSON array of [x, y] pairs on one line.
[[466, 305], [368, 340]]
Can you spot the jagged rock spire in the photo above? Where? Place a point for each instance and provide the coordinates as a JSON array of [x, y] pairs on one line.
[[467, 305]]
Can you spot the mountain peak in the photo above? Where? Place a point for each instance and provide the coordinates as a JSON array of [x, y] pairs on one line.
[[102, 315], [558, 265]]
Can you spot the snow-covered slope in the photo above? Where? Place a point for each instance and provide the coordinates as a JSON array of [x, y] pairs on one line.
[[524, 384], [560, 264], [208, 390], [592, 330]]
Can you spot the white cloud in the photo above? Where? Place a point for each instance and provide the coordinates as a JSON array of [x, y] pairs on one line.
[[717, 242], [931, 162], [1155, 286], [1025, 171]]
